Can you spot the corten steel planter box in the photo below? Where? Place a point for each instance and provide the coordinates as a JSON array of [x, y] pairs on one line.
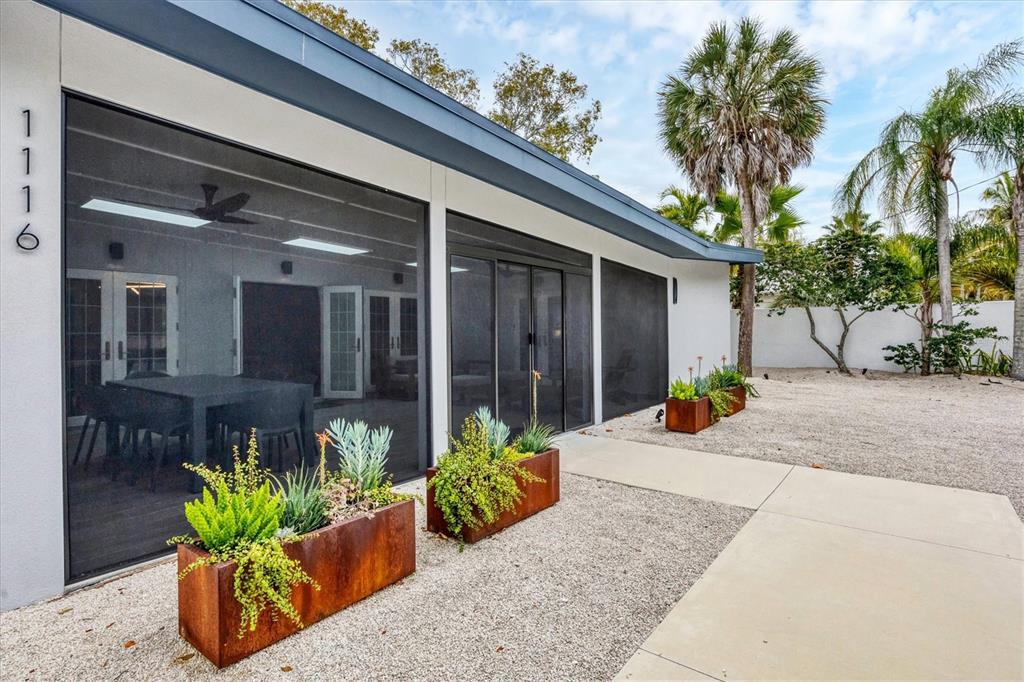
[[687, 416], [350, 560], [537, 496], [739, 402]]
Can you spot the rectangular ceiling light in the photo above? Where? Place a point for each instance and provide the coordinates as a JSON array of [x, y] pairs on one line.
[[144, 212], [325, 246], [453, 268]]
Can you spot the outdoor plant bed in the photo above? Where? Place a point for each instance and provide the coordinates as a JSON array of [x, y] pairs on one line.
[[687, 416], [739, 401], [537, 495], [349, 560]]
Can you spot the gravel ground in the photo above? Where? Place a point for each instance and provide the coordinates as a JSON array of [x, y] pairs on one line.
[[567, 594], [963, 433]]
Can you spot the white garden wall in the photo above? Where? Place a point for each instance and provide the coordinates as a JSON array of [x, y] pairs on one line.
[[785, 341]]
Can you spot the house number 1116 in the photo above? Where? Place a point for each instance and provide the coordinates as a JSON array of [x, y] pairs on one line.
[[26, 240]]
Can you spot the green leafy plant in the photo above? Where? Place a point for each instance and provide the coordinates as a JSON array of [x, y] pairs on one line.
[[497, 431], [682, 390], [305, 505], [721, 402], [535, 438], [363, 452], [729, 376], [472, 487], [950, 348], [238, 520]]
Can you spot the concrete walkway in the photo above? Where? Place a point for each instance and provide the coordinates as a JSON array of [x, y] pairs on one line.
[[836, 576]]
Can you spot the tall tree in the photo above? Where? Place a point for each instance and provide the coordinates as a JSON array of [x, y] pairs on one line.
[[686, 209], [336, 18], [920, 259], [1001, 141], [547, 107], [847, 271], [912, 166], [743, 111], [776, 224], [425, 61]]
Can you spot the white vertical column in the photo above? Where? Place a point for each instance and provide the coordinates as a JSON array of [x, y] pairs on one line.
[[596, 338], [31, 394], [438, 312]]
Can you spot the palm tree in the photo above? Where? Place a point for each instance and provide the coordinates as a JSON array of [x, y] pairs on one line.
[[776, 225], [920, 257], [743, 111], [687, 209], [1000, 136], [986, 258], [857, 222], [1000, 195], [912, 166]]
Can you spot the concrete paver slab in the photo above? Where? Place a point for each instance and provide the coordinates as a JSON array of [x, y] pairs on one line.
[[732, 480], [646, 666], [960, 518], [791, 598]]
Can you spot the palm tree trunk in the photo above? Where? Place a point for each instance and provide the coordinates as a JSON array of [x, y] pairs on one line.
[[942, 244], [1017, 216], [745, 351]]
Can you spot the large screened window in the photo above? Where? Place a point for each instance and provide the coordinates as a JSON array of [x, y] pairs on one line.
[[634, 338], [520, 326], [212, 290]]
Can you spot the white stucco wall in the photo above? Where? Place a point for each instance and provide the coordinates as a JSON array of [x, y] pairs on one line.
[[43, 52], [784, 341]]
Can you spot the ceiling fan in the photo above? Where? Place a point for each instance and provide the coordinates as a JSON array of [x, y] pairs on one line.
[[217, 212]]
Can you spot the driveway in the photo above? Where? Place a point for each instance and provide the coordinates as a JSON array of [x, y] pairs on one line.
[[835, 576]]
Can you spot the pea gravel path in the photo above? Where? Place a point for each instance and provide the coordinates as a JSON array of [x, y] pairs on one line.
[[568, 594], [962, 433]]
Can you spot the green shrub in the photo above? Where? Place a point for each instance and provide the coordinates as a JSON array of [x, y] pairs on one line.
[[305, 505], [363, 452], [721, 402], [238, 521], [682, 390], [535, 438], [472, 487], [951, 349]]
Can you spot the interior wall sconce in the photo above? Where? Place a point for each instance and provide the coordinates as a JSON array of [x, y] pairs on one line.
[[286, 267], [116, 250], [398, 278]]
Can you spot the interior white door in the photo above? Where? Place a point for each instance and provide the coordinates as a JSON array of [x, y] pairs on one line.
[[342, 344], [88, 334], [390, 330], [145, 323]]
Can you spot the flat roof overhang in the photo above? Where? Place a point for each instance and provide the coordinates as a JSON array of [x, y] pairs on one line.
[[266, 46]]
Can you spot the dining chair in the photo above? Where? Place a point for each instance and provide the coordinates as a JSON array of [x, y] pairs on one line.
[[275, 415]]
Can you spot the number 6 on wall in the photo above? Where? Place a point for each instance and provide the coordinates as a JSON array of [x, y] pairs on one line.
[[26, 240]]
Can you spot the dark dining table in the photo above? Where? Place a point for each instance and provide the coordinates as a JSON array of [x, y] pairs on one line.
[[200, 392]]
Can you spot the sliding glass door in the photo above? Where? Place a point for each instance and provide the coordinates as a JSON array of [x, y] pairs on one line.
[[520, 328]]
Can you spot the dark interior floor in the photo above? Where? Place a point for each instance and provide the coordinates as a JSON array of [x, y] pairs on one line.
[[121, 511]]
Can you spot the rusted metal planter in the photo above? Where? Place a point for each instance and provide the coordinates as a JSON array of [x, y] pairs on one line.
[[537, 496], [687, 416], [739, 400], [350, 560]]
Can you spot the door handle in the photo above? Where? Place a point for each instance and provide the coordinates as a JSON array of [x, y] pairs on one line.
[[359, 344], [106, 350], [120, 350]]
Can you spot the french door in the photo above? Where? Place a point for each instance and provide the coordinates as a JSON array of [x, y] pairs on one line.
[[342, 344], [118, 324], [390, 328]]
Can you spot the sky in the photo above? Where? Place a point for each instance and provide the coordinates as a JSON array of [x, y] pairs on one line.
[[881, 58]]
